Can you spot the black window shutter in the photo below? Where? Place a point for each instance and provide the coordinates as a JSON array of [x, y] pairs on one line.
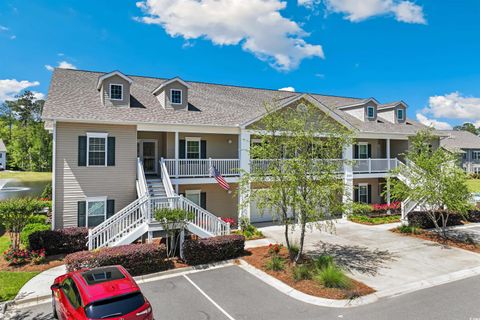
[[82, 214], [355, 151], [203, 149], [82, 151], [369, 150], [355, 194], [203, 200], [111, 151], [181, 151], [110, 208], [369, 193]]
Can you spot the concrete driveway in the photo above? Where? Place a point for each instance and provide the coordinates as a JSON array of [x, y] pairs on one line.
[[382, 259], [230, 293]]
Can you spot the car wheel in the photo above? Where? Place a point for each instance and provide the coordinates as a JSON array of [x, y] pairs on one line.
[[54, 309]]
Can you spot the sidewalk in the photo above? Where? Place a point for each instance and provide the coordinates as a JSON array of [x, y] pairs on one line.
[[39, 286]]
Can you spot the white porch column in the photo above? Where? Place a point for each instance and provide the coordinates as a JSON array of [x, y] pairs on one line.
[[388, 154], [177, 142], [244, 157], [348, 177]]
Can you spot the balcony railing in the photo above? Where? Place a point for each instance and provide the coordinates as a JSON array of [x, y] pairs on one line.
[[200, 168]]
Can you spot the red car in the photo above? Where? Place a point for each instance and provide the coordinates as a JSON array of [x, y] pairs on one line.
[[100, 293]]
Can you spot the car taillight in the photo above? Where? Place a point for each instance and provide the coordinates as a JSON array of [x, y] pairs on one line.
[[145, 312]]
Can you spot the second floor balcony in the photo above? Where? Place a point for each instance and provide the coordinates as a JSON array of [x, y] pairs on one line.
[[201, 168]]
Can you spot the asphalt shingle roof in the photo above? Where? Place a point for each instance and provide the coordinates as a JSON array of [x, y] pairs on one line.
[[73, 96], [456, 140]]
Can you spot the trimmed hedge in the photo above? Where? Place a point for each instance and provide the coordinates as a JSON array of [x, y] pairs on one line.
[[213, 249], [138, 259], [30, 229], [59, 241], [420, 219], [473, 216]]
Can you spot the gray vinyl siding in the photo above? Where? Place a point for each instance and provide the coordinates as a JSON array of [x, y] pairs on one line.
[[105, 91], [74, 183], [217, 145]]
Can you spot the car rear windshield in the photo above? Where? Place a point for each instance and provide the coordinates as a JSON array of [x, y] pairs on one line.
[[115, 307]]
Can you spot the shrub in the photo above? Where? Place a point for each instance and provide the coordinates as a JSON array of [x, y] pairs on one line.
[[275, 263], [302, 272], [422, 220], [333, 277], [473, 216], [375, 220], [232, 221], [274, 249], [213, 249], [47, 191], [29, 229], [361, 208], [294, 249], [38, 218], [59, 241], [37, 257], [409, 229], [16, 256], [138, 259], [382, 208], [323, 261]]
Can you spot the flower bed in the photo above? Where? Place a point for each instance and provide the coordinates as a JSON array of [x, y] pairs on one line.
[[279, 266]]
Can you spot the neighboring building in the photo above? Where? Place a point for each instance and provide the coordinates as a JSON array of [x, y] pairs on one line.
[[465, 144], [101, 123], [3, 156]]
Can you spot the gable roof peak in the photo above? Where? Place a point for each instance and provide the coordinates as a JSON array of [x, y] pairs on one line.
[[167, 82], [111, 74]]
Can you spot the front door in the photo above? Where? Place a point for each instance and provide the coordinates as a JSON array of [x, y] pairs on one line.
[[147, 152]]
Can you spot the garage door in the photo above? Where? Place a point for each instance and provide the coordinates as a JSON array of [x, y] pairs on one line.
[[259, 215]]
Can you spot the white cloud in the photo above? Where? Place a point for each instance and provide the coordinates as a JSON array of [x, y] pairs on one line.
[[11, 87], [62, 65], [439, 125], [358, 10], [256, 25], [38, 95], [13, 37], [455, 106], [3, 28], [291, 89]]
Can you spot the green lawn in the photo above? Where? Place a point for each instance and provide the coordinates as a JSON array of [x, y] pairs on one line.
[[26, 175], [11, 282], [473, 185], [4, 243]]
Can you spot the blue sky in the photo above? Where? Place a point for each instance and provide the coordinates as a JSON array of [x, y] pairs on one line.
[[425, 52]]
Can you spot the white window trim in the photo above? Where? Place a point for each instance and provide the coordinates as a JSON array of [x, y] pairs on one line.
[[95, 199], [181, 96], [403, 115], [475, 155], [366, 148], [198, 139], [366, 191], [372, 108], [110, 91], [103, 135]]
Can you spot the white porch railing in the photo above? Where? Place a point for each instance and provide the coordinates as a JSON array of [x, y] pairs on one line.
[[201, 167], [202, 219], [142, 188], [374, 165], [119, 225], [258, 165], [167, 184]]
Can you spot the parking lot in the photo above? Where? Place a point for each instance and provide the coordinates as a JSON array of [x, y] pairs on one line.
[[232, 293]]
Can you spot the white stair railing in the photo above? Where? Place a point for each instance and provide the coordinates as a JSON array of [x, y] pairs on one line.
[[202, 219], [142, 188], [167, 183], [119, 225]]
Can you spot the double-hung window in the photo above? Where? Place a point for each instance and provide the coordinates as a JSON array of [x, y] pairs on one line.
[[363, 150], [400, 115], [476, 155], [116, 92], [97, 149], [371, 112], [363, 193], [193, 195], [176, 96], [192, 146], [96, 211]]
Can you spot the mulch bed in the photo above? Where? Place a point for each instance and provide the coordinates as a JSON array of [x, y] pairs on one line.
[[258, 257], [51, 262], [432, 236]]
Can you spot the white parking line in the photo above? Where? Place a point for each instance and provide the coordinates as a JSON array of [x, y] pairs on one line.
[[209, 299]]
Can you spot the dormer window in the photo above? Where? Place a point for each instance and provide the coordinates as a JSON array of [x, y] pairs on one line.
[[371, 112], [400, 114], [176, 96], [116, 92]]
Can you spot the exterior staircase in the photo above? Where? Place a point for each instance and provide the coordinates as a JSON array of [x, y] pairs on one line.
[[136, 219], [408, 205]]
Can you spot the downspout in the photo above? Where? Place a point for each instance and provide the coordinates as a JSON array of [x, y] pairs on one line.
[[54, 162]]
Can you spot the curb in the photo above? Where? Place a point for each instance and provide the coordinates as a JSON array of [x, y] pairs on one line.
[[139, 279], [364, 300]]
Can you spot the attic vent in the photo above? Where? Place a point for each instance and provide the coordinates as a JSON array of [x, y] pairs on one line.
[[302, 107], [379, 121]]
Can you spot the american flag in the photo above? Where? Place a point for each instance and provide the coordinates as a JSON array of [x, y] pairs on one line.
[[221, 181]]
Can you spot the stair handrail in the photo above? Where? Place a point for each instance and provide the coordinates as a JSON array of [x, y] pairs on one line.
[[141, 179], [141, 204], [167, 183]]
